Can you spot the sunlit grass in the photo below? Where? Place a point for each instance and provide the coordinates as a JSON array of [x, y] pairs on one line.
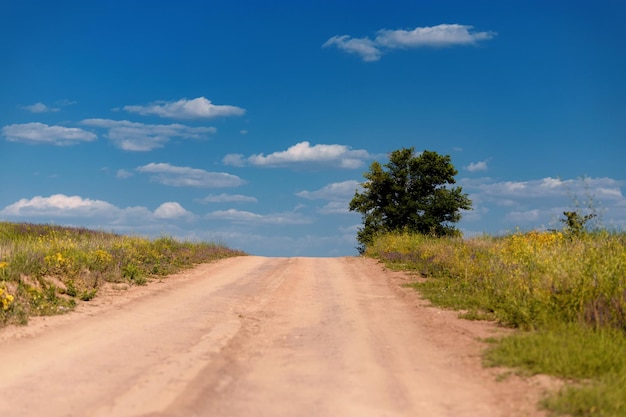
[[45, 269], [565, 292], [526, 280]]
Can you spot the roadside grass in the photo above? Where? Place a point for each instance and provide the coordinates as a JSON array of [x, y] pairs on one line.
[[46, 269], [565, 292]]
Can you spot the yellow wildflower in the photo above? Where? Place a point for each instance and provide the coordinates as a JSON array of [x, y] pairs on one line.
[[6, 299]]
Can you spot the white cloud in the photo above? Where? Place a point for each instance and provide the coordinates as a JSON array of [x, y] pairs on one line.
[[40, 108], [477, 166], [122, 173], [42, 133], [364, 47], [227, 198], [351, 229], [304, 154], [335, 207], [234, 160], [171, 210], [335, 191], [60, 205], [175, 176], [604, 188], [198, 108], [506, 205], [131, 136], [96, 213], [524, 216], [339, 195], [65, 102], [434, 36], [247, 217]]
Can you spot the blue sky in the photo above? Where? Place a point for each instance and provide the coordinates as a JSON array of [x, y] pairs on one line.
[[251, 123]]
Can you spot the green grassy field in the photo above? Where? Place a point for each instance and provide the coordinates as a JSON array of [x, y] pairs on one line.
[[47, 269], [565, 292]]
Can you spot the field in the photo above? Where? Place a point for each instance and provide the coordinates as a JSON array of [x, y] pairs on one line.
[[46, 269], [565, 292]]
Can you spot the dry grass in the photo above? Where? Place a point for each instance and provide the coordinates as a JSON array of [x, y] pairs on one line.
[[46, 269], [566, 292]]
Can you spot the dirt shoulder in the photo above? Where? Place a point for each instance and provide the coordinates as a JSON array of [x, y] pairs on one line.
[[264, 337]]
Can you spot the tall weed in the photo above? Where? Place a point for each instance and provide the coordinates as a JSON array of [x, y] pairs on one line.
[[565, 290], [526, 280]]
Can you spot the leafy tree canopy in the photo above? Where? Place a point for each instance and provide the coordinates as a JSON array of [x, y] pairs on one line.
[[410, 193]]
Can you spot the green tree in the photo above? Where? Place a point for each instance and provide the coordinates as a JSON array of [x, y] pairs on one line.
[[410, 193]]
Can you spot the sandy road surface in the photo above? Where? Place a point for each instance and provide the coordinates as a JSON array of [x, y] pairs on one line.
[[255, 336]]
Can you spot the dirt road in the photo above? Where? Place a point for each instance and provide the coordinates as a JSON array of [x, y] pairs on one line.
[[253, 336]]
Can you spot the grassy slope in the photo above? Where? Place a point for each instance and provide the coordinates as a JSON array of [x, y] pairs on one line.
[[46, 269], [566, 294]]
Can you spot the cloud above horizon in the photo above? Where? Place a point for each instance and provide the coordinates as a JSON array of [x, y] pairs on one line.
[[334, 191], [97, 212], [59, 205], [140, 137], [176, 176], [542, 201], [171, 210], [40, 133], [338, 195], [604, 188], [39, 107], [247, 217], [477, 166], [197, 108], [439, 36], [227, 198], [302, 154]]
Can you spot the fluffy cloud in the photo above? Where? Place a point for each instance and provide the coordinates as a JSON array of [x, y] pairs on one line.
[[335, 191], [122, 174], [40, 108], [339, 195], [477, 166], [171, 210], [602, 188], [364, 47], [304, 154], [95, 213], [433, 36], [175, 176], [247, 217], [227, 198], [198, 108], [131, 136], [527, 216], [60, 205], [42, 133], [541, 202], [335, 207]]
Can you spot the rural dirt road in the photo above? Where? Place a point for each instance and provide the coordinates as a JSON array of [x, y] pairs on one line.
[[254, 336]]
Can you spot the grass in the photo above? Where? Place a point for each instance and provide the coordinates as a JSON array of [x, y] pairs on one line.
[[47, 269], [592, 360], [566, 293]]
